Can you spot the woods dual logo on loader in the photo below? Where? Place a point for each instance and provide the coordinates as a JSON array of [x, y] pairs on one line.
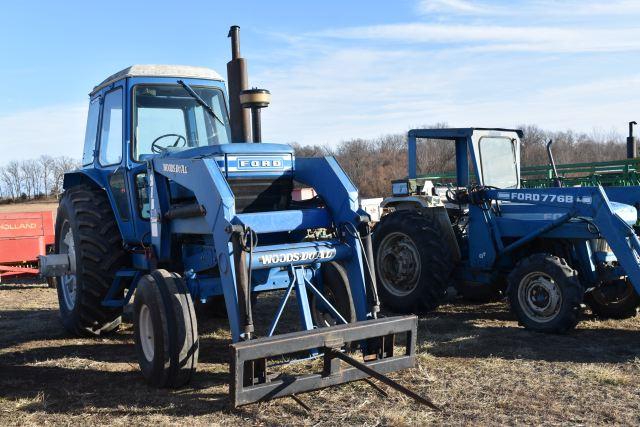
[[548, 250], [176, 204]]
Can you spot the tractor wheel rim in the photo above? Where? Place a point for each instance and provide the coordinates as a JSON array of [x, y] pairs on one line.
[[146, 332], [399, 264], [540, 297], [68, 282]]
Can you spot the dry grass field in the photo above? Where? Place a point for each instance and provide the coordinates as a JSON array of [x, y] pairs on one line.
[[474, 361], [35, 206]]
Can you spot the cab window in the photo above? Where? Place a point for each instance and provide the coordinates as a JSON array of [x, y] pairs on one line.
[[498, 161], [111, 129], [91, 133], [167, 118]]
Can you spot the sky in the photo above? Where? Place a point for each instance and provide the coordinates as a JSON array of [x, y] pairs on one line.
[[336, 69]]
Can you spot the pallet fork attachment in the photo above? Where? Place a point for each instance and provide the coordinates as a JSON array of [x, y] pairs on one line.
[[252, 383]]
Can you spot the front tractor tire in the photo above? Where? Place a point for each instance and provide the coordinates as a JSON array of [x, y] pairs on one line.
[[413, 261], [545, 294], [613, 300], [86, 230], [165, 330]]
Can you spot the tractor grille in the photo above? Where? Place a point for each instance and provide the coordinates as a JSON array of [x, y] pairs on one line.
[[600, 245], [261, 194]]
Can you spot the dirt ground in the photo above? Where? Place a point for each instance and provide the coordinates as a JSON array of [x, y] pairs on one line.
[[30, 207], [474, 361]]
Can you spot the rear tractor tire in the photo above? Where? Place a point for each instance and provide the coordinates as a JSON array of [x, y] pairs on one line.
[[87, 231], [165, 330], [545, 294], [413, 261], [614, 300]]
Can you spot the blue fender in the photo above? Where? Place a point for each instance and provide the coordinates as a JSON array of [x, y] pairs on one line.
[[84, 176]]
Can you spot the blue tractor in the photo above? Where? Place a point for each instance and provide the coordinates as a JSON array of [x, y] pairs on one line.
[[177, 204], [548, 250]]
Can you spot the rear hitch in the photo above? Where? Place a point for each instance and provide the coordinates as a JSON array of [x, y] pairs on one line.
[[251, 381]]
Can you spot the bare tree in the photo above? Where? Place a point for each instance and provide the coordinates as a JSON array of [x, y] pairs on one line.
[[7, 180], [373, 163], [61, 166], [13, 179], [31, 177], [46, 164]]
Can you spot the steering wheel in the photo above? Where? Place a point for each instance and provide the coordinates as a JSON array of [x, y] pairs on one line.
[[158, 149]]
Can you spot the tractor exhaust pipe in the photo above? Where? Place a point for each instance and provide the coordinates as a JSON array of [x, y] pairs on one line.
[[557, 182], [237, 82], [632, 147]]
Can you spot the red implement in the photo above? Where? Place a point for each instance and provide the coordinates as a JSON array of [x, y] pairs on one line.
[[23, 237]]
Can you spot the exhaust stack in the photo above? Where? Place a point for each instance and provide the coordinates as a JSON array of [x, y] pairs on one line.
[[632, 147], [237, 82]]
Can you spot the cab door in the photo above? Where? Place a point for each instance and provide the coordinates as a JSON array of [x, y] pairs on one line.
[[110, 156]]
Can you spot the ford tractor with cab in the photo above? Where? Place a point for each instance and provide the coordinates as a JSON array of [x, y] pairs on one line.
[[177, 204], [549, 250]]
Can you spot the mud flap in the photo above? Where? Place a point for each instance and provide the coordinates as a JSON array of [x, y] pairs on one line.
[[251, 382]]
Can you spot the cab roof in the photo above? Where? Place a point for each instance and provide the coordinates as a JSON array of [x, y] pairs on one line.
[[178, 71], [455, 133]]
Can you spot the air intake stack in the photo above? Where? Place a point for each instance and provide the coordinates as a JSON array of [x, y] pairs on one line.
[[255, 100]]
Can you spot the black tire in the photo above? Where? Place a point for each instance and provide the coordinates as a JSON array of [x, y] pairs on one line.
[[417, 240], [545, 294], [480, 293], [615, 300], [86, 213], [337, 291], [165, 329]]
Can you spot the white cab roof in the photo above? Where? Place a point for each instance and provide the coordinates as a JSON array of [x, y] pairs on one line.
[[179, 71]]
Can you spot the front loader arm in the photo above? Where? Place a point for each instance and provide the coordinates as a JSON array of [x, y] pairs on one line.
[[588, 204], [213, 194]]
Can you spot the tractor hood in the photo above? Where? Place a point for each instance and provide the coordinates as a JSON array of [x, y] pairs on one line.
[[244, 159], [238, 148], [523, 212], [627, 213], [259, 175]]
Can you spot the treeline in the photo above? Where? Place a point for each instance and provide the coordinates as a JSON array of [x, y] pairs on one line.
[[34, 178], [370, 163], [373, 163]]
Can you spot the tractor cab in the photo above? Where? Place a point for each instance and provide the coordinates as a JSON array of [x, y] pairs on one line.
[[485, 157], [148, 111]]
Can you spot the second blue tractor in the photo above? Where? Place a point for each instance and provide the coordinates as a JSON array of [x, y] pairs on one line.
[[548, 250]]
